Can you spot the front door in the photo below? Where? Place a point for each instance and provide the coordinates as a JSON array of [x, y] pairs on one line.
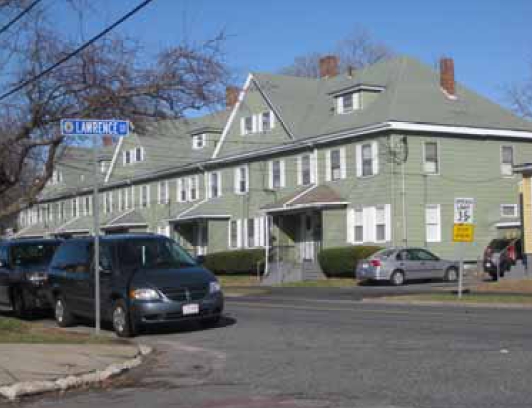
[[310, 235]]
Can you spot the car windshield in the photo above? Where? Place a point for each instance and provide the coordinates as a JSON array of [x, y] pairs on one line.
[[32, 254], [154, 254], [499, 244]]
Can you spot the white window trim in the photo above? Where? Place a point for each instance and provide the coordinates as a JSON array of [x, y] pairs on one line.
[[438, 235], [237, 180], [375, 166], [147, 196], [437, 157], [312, 169], [503, 164], [328, 164], [189, 187], [163, 186], [356, 104], [238, 243], [514, 206], [200, 137], [219, 177]]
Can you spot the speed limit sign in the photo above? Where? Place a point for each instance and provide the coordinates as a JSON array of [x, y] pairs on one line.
[[463, 210]]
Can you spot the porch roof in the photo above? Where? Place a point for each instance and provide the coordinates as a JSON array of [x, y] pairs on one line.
[[131, 218], [33, 231], [317, 196], [211, 209]]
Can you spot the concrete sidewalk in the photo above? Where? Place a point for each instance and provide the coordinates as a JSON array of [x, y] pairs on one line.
[[27, 369]]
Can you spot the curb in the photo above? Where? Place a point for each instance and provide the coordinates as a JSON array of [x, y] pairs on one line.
[[25, 388], [456, 304]]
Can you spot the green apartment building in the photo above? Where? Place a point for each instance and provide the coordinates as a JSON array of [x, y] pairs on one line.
[[375, 156]]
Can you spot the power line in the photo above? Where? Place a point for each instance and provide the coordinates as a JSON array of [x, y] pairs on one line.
[[19, 16], [76, 51]]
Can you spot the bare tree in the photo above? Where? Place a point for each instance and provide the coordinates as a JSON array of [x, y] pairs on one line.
[[357, 50], [520, 96], [109, 79]]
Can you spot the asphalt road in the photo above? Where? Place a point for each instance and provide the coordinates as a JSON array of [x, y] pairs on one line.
[[273, 352]]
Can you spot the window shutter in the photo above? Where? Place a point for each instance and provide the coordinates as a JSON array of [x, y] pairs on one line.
[[236, 180], [299, 168], [328, 175], [255, 123], [270, 175], [239, 233], [244, 233], [343, 171], [388, 220], [260, 126], [283, 174], [272, 120], [375, 158], [313, 167], [340, 104], [350, 225], [242, 126], [229, 243], [359, 160], [219, 184], [369, 224]]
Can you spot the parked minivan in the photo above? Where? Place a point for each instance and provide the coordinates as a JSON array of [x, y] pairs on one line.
[[144, 280], [23, 267]]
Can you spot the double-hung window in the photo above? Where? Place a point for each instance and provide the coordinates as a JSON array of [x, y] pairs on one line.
[[277, 176], [181, 190], [234, 234], [241, 180], [335, 162], [433, 223], [266, 121], [127, 157], [199, 141], [144, 196], [215, 184], [246, 125], [509, 210], [507, 160], [359, 225], [305, 173], [348, 102], [163, 192], [88, 205], [139, 154], [250, 223], [367, 159], [431, 163], [192, 185], [74, 207]]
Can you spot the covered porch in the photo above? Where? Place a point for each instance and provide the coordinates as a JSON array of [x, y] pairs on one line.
[[129, 222], [295, 230]]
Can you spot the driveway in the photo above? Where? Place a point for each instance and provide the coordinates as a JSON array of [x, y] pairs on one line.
[[318, 353]]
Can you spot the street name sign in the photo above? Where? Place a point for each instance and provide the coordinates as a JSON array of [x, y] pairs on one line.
[[94, 127]]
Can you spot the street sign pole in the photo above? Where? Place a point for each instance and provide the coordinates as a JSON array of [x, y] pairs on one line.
[[461, 270], [96, 231], [95, 128]]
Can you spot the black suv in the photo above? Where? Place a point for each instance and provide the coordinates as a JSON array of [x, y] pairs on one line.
[[500, 255], [144, 280], [23, 267]]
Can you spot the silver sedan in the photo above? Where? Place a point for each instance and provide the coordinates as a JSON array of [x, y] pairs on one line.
[[398, 265]]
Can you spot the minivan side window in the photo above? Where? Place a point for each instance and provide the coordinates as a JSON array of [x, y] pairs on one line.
[[3, 255], [73, 257]]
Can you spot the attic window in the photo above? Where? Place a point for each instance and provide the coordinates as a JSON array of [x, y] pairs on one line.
[[348, 103], [199, 141]]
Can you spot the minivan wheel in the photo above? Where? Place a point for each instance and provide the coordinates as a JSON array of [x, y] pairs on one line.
[[397, 278], [63, 316], [451, 275], [121, 320], [19, 307]]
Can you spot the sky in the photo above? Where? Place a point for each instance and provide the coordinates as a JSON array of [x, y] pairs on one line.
[[490, 40]]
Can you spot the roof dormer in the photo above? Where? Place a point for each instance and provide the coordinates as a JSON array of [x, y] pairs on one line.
[[354, 98]]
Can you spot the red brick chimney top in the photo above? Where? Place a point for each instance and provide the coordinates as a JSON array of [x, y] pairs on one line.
[[231, 96], [447, 76], [328, 66], [107, 141]]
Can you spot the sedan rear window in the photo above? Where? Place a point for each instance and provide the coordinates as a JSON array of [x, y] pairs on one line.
[[383, 254]]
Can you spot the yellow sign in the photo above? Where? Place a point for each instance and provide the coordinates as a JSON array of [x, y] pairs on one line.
[[463, 232]]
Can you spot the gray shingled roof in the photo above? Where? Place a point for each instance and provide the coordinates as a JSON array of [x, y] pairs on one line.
[[214, 208], [321, 195], [412, 94]]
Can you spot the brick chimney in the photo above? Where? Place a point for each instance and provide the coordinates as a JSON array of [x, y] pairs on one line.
[[328, 66], [107, 141], [231, 96], [447, 76]]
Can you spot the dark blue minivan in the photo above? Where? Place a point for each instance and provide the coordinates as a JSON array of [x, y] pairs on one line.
[[144, 280]]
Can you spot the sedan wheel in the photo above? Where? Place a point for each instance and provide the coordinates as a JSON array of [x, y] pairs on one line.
[[397, 278], [451, 275]]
